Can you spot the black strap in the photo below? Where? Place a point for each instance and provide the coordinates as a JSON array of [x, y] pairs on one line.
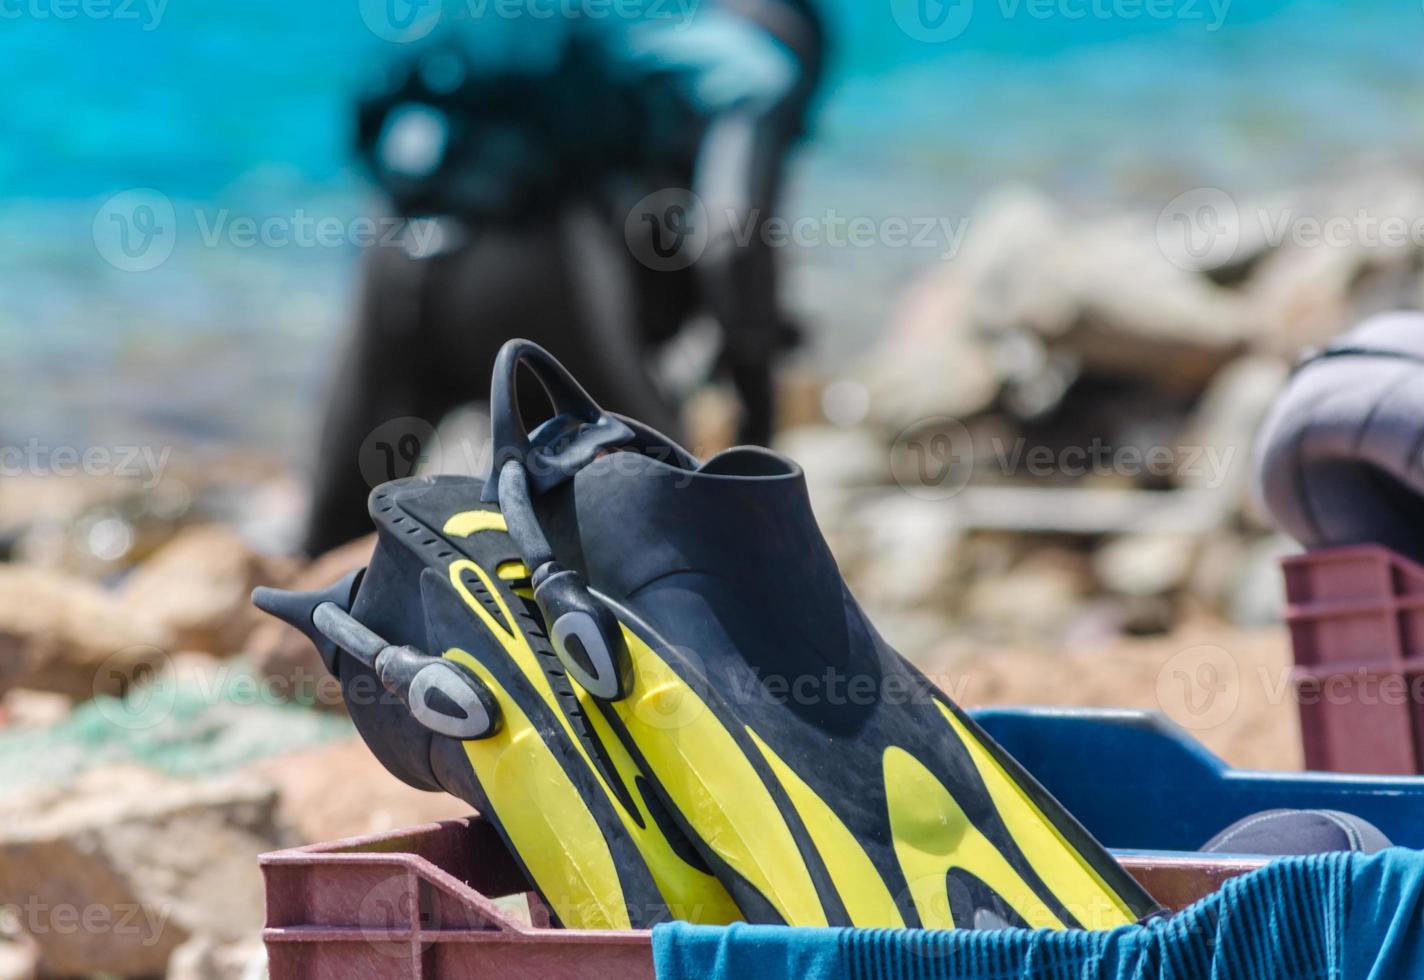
[[1347, 350]]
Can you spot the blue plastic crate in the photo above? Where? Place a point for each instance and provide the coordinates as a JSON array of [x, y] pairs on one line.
[[1140, 783]]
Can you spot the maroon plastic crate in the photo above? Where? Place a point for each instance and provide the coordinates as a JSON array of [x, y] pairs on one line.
[[1356, 618], [418, 904]]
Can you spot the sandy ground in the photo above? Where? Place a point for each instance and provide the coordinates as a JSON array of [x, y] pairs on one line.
[[1229, 688], [341, 791]]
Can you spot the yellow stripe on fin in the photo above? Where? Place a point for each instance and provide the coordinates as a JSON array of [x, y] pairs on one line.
[[470, 522], [541, 810], [933, 835], [863, 893], [512, 571], [688, 892], [713, 784], [1073, 881]]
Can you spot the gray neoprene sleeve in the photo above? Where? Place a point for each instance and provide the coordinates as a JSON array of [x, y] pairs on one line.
[[1339, 460]]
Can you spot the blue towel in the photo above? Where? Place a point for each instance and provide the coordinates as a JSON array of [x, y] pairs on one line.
[[1335, 916]]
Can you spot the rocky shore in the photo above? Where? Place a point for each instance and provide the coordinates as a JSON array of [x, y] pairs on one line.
[[1038, 482]]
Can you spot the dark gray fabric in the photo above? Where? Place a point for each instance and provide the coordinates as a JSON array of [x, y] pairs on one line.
[[428, 330], [1339, 459], [1298, 833]]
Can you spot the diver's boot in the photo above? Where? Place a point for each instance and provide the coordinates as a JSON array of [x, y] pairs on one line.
[[823, 778]]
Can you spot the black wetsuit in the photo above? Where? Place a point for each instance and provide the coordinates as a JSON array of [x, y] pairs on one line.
[[537, 188]]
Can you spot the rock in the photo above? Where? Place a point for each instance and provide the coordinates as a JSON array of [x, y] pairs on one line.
[[1137, 315], [199, 586], [116, 871], [1213, 576], [19, 959], [913, 633], [270, 514], [932, 362], [193, 716], [1345, 252], [462, 444], [1035, 601], [1258, 596], [968, 328], [29, 502], [910, 551], [1215, 450], [34, 709], [200, 958], [101, 530], [1034, 300], [341, 790], [284, 656], [840, 465], [67, 635], [1144, 565], [1008, 288], [1088, 511]]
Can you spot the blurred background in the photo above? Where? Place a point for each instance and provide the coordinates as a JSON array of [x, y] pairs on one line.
[[1049, 261]]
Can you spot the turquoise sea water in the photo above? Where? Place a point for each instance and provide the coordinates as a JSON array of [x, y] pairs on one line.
[[239, 110]]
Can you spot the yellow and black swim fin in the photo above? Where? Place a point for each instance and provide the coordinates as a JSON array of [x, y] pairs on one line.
[[699, 615], [450, 678]]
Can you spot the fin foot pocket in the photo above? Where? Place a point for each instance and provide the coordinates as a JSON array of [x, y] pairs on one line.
[[822, 807]]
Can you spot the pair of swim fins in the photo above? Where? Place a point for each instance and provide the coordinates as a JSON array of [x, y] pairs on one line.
[[647, 671]]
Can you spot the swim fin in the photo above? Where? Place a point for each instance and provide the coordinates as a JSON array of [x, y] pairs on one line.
[[488, 715], [823, 778]]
